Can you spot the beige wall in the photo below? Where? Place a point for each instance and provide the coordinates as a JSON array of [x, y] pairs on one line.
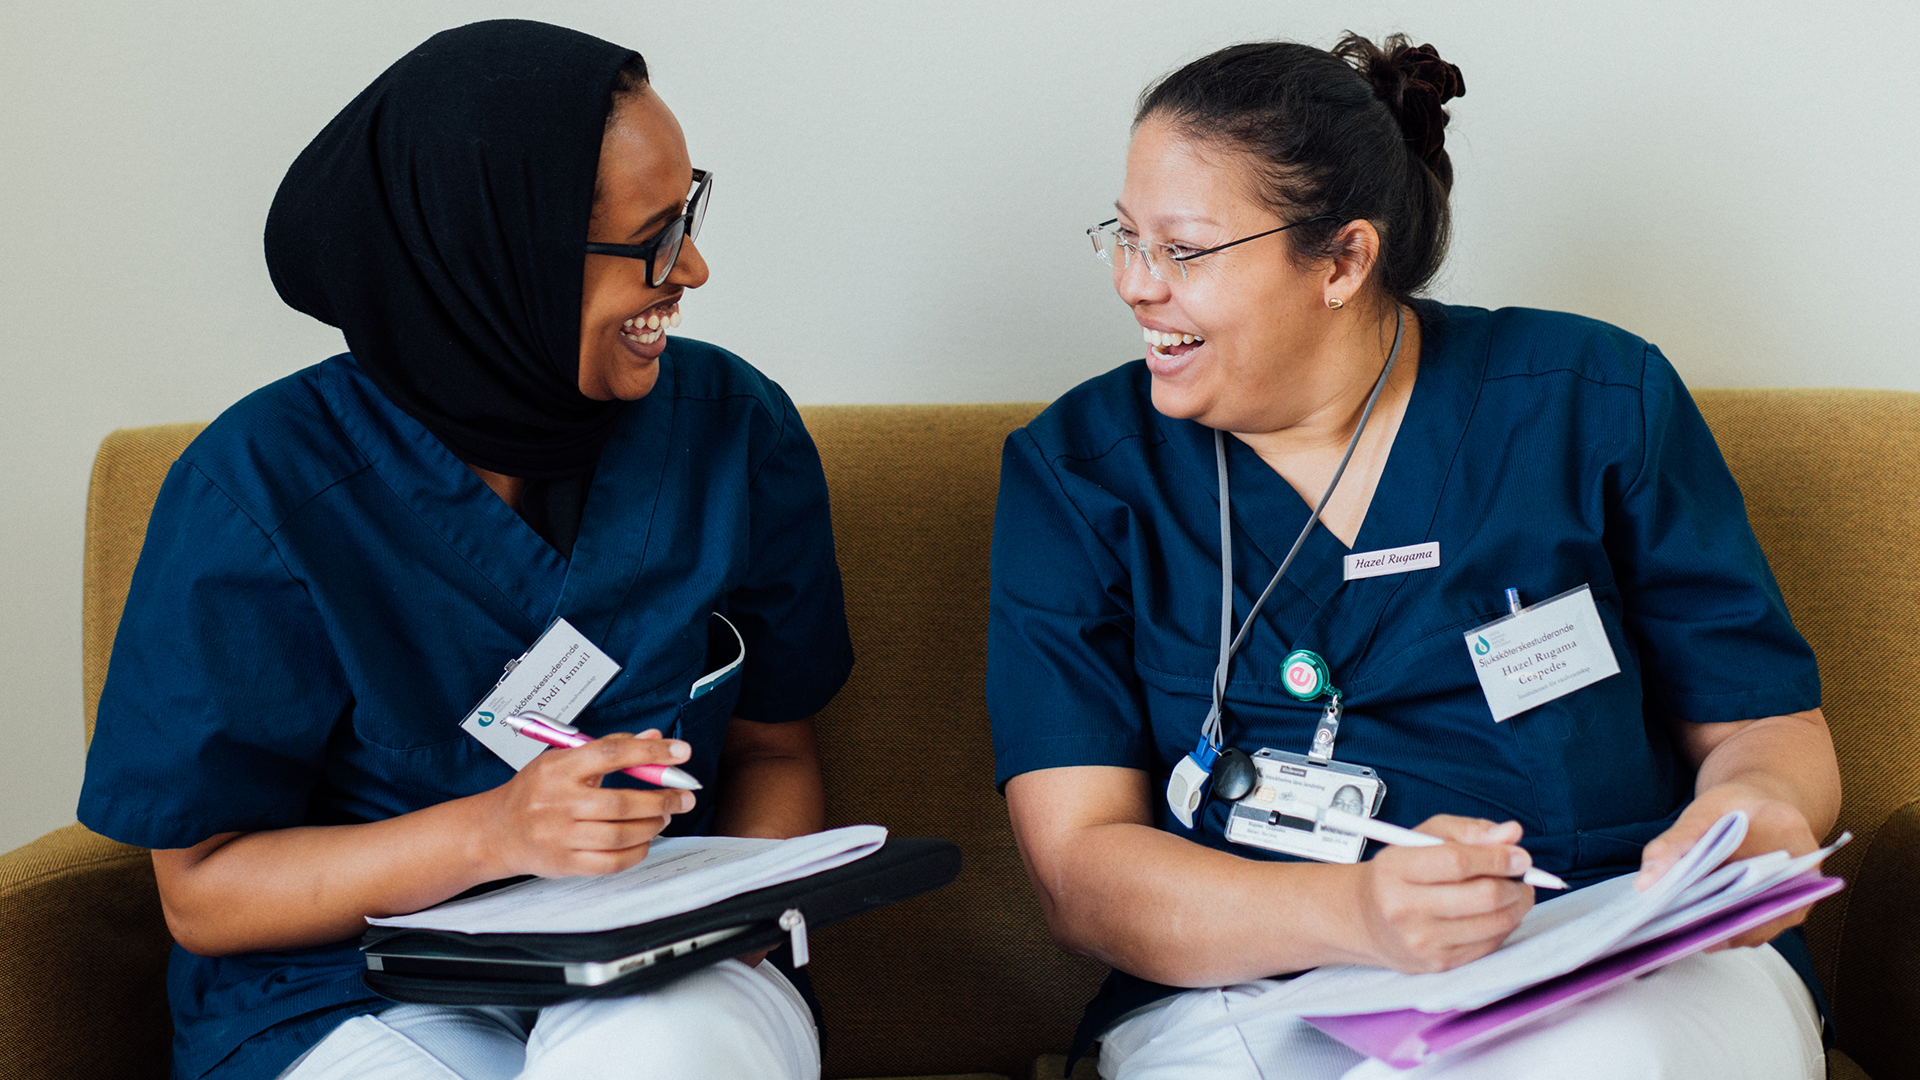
[[901, 193]]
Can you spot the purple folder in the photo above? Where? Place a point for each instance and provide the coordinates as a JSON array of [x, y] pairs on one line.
[[1405, 1038]]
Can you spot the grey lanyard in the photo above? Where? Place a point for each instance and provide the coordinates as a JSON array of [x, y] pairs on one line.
[[1230, 642]]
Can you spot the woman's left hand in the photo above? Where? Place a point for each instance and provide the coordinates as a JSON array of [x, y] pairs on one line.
[[1772, 825], [1779, 770]]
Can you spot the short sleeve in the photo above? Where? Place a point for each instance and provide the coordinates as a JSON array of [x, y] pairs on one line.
[[1715, 640], [790, 609], [223, 685], [1061, 688]]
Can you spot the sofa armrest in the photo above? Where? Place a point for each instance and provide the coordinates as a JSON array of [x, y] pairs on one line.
[[83, 960], [1876, 991]]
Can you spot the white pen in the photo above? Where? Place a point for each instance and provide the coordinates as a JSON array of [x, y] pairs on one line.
[[1394, 834]]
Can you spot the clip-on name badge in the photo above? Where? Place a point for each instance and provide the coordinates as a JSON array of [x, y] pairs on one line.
[[1282, 812], [1277, 804], [1539, 653], [558, 677]]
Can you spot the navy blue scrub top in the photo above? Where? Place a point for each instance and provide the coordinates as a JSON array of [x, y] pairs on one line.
[[1542, 451], [326, 591]]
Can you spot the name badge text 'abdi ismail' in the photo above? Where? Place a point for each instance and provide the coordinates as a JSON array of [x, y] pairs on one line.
[[557, 677]]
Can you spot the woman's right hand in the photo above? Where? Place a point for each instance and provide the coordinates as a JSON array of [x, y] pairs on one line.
[[554, 819], [315, 884], [1427, 909], [1115, 886]]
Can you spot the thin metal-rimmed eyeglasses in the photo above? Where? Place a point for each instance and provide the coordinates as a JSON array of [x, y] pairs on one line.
[[663, 249], [1107, 240]]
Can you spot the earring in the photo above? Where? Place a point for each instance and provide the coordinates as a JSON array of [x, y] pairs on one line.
[[1335, 303]]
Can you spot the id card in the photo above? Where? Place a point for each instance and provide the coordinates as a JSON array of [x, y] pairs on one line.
[[1541, 653], [1282, 812], [558, 678]]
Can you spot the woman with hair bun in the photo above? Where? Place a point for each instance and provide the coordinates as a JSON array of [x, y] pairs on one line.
[[1269, 565]]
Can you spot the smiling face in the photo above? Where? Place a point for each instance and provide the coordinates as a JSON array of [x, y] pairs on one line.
[[644, 179], [1258, 321]]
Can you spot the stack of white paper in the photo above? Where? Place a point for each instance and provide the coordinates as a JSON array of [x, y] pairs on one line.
[[1558, 936], [679, 874]]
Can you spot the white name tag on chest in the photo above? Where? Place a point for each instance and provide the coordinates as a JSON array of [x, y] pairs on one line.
[[558, 678], [1543, 652], [1366, 564]]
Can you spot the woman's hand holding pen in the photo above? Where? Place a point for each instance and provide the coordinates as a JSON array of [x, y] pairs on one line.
[[1430, 909], [299, 887], [554, 819]]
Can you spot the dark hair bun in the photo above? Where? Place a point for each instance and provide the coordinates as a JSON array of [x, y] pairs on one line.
[[1335, 136], [1414, 82]]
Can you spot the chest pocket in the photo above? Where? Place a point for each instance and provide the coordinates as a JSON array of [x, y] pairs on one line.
[[704, 713], [712, 696]]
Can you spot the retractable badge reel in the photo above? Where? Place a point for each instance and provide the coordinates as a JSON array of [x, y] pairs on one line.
[[1306, 678], [1232, 773]]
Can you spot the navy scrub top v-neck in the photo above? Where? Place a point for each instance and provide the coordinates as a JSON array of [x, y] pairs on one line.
[[1542, 451], [326, 591]]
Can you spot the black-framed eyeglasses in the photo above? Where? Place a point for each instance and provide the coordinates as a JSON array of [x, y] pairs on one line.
[[1116, 250], [662, 250]]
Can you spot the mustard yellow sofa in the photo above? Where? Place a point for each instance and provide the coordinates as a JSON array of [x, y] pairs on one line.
[[965, 980]]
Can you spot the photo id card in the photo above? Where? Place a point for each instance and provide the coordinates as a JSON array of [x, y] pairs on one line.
[[1541, 653], [1282, 812], [558, 678]]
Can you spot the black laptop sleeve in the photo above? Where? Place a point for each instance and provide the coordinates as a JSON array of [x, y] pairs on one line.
[[438, 967]]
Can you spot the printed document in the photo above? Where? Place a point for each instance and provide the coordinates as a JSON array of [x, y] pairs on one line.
[[1565, 935], [679, 874]]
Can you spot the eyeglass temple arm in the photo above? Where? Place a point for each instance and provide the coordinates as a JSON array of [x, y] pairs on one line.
[[1244, 239]]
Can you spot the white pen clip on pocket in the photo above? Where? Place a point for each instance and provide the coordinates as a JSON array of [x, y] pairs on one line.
[[718, 636]]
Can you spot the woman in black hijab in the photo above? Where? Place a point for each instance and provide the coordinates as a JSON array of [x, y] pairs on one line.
[[502, 226]]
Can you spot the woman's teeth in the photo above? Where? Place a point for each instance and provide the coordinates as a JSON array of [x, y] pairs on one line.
[[646, 329], [1162, 341]]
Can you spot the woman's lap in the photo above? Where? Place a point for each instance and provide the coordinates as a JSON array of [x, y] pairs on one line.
[[1742, 1013], [724, 1021]]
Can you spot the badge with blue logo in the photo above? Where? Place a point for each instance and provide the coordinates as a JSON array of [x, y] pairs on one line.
[[1540, 653], [558, 677]]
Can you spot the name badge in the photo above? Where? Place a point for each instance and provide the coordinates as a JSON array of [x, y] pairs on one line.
[[1282, 812], [1366, 564], [558, 678], [1541, 653]]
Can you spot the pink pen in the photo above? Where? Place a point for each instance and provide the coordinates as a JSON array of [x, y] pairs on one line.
[[554, 733]]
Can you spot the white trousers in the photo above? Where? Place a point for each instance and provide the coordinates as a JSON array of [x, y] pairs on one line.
[[1741, 1014], [725, 1021]]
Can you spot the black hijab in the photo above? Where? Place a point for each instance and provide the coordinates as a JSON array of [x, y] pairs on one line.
[[438, 222]]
